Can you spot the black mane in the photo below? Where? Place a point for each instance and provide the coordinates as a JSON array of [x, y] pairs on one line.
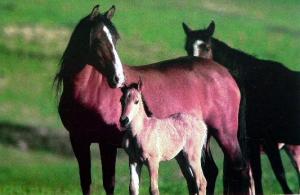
[[243, 65]]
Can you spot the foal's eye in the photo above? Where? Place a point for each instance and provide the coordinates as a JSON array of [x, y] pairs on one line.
[[136, 102]]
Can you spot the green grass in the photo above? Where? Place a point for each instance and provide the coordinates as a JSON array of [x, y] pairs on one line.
[[33, 35], [44, 173]]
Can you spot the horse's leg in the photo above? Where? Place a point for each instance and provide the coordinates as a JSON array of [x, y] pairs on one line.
[[108, 159], [272, 151], [153, 165], [293, 151], [232, 141], [81, 150], [210, 168], [135, 173], [235, 167], [187, 173], [255, 164]]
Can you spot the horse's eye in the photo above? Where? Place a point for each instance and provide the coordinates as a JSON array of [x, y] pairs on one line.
[[203, 46], [136, 102]]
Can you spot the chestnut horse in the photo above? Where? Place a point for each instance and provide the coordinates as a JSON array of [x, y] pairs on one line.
[[272, 94], [90, 106], [149, 140]]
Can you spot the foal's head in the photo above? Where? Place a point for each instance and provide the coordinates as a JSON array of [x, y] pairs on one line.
[[131, 103], [198, 42]]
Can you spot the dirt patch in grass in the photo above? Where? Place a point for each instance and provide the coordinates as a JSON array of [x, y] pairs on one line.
[[34, 138], [284, 30]]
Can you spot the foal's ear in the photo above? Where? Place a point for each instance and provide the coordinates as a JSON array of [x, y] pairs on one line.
[[110, 13], [124, 89], [95, 12], [186, 29], [140, 84], [211, 28]]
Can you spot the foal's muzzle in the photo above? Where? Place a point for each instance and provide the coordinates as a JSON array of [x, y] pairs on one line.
[[124, 122]]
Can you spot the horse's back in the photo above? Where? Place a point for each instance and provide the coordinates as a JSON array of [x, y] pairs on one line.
[[188, 84]]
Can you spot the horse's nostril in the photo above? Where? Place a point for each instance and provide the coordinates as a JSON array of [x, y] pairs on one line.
[[116, 79]]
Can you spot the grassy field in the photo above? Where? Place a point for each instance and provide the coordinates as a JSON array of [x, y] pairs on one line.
[[33, 35], [44, 173]]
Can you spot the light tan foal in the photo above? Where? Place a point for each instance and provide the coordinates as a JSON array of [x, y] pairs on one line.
[[150, 140]]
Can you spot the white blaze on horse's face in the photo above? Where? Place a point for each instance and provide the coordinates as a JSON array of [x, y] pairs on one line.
[[196, 45], [117, 62]]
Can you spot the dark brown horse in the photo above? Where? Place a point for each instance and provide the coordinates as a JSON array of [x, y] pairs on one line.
[[272, 93], [90, 105]]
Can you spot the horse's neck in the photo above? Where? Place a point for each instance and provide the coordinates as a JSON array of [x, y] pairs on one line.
[[223, 54], [239, 63], [91, 88]]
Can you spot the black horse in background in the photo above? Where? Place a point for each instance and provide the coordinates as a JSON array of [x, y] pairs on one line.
[[272, 94]]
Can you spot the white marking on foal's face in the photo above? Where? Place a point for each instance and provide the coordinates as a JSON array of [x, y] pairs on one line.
[[134, 108], [117, 63], [196, 45]]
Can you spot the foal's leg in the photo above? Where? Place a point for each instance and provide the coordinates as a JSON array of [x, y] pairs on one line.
[[272, 151], [187, 173], [81, 150], [210, 168], [108, 159], [153, 165], [135, 173], [193, 151], [195, 163]]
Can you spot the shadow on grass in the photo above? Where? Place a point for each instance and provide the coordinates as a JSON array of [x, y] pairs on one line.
[[34, 138]]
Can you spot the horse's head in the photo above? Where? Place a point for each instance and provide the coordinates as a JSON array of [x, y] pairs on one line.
[[102, 40], [198, 42], [131, 101], [93, 42]]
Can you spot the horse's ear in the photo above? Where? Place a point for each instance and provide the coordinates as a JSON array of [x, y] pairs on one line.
[[186, 29], [140, 84], [95, 12], [110, 13], [211, 28]]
